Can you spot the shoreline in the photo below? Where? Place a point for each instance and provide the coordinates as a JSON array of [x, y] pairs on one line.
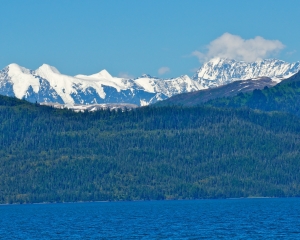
[[118, 201]]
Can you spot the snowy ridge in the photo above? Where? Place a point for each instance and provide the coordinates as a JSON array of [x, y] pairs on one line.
[[220, 71], [168, 87], [47, 84], [104, 78]]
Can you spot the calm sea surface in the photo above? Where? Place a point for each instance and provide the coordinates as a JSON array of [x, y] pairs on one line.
[[197, 219]]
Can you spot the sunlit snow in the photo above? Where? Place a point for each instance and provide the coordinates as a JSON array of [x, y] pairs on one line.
[[101, 87]]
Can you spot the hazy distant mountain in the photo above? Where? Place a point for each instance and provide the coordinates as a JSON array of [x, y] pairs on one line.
[[92, 107], [47, 84]]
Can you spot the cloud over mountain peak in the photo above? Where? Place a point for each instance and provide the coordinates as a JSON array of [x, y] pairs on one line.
[[235, 47]]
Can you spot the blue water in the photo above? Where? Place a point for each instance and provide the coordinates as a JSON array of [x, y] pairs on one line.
[[195, 219]]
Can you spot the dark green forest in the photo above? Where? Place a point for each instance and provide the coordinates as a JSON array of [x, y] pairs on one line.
[[52, 155]]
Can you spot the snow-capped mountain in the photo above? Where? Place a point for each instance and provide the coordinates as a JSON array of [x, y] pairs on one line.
[[47, 84], [220, 71]]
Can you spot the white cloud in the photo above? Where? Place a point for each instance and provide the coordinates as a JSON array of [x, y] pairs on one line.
[[163, 70], [125, 75], [235, 47]]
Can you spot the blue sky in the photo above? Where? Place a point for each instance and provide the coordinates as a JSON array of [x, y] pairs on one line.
[[165, 38]]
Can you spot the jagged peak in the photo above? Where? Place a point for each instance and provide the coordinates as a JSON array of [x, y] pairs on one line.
[[218, 61], [45, 68], [103, 74], [146, 76], [13, 67], [184, 77]]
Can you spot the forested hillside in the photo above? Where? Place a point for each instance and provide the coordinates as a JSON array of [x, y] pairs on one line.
[[55, 155], [285, 97]]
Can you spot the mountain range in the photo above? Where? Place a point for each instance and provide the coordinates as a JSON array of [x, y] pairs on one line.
[[47, 85], [220, 71]]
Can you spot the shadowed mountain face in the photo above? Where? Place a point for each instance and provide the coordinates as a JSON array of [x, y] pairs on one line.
[[284, 97], [229, 90]]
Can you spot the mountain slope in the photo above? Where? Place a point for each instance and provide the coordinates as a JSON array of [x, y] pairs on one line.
[[228, 90], [285, 96], [148, 153]]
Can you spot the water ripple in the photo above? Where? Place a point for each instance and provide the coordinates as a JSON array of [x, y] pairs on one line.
[[197, 219]]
